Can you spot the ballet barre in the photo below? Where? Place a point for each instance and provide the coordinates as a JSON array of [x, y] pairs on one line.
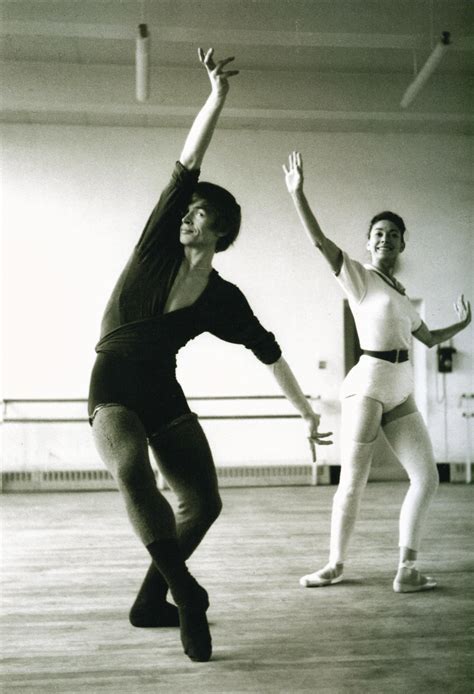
[[52, 416], [41, 412], [12, 418]]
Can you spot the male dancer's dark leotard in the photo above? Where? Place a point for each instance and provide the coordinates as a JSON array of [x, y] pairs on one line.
[[136, 360]]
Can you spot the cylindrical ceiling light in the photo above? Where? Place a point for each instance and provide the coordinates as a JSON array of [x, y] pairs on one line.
[[427, 69], [142, 63]]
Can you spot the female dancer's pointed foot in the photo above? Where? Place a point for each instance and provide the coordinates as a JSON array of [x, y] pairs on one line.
[[148, 614], [410, 580], [195, 634], [327, 576]]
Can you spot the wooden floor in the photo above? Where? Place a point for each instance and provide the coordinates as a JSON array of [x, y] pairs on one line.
[[71, 567]]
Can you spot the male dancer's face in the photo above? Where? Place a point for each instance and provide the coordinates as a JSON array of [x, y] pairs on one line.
[[199, 224]]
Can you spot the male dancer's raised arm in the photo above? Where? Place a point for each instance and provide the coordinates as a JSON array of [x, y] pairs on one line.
[[204, 124]]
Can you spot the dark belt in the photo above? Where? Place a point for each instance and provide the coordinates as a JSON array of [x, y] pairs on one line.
[[394, 355]]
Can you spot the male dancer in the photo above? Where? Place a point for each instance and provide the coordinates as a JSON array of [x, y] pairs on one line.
[[167, 294]]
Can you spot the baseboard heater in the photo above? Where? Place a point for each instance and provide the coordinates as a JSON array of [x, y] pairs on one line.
[[101, 480], [263, 475]]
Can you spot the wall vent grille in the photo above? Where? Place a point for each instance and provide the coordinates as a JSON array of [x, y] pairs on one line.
[[229, 476]]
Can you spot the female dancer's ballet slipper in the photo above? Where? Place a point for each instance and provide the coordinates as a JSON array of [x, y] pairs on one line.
[[324, 577], [412, 581]]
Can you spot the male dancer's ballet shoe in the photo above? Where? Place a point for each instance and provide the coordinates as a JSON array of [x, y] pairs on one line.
[[327, 576], [148, 614], [195, 634], [412, 581], [150, 608]]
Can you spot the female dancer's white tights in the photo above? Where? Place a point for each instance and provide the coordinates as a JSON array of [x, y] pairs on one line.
[[409, 439]]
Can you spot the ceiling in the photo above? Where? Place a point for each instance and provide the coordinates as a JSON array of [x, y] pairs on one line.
[[305, 64]]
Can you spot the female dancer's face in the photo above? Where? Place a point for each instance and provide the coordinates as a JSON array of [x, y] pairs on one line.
[[385, 243]]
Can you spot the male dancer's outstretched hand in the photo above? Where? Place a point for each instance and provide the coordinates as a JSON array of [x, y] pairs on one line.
[[293, 393], [203, 126], [316, 437], [218, 77]]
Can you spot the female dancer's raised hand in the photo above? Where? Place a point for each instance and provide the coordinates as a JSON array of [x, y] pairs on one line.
[[294, 173], [463, 309], [218, 76]]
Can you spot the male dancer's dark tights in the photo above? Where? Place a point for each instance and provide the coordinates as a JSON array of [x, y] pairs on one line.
[[184, 458]]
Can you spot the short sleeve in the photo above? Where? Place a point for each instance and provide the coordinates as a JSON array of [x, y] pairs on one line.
[[162, 227], [353, 278], [235, 322], [415, 318]]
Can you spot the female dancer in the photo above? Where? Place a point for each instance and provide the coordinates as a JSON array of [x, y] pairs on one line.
[[378, 390], [168, 294]]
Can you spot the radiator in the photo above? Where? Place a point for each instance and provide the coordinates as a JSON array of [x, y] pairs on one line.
[[229, 476]]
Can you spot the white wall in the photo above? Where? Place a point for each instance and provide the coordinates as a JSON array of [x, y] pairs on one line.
[[76, 198]]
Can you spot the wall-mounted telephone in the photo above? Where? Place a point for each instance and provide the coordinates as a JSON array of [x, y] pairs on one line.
[[445, 359]]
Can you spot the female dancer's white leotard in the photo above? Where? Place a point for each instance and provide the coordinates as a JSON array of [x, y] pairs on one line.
[[385, 320]]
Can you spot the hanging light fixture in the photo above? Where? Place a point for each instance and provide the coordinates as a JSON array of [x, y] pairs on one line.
[[427, 70], [142, 63]]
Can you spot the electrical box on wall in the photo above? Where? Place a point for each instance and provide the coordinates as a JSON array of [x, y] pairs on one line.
[[445, 359]]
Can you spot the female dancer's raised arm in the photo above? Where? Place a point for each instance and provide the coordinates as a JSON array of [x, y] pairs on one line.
[[294, 182], [431, 338]]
